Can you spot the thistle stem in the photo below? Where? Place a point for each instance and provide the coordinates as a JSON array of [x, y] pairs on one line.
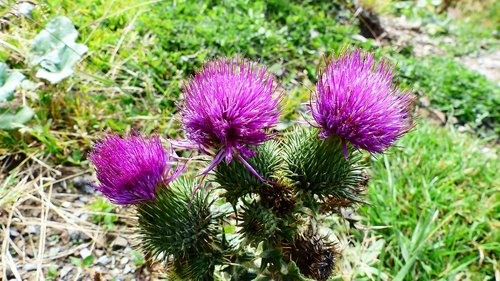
[[344, 149]]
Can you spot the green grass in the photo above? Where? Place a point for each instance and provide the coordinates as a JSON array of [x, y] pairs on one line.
[[438, 194], [287, 37], [451, 88]]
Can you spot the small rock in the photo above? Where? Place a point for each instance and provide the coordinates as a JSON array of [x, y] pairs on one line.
[[66, 204], [30, 250], [487, 151], [103, 260], [84, 199], [13, 232], [84, 217], [32, 229], [124, 260], [83, 184], [29, 267], [424, 101], [119, 243], [116, 272], [54, 251], [439, 115], [20, 243], [78, 204], [36, 212], [75, 235], [464, 129], [64, 237], [98, 269], [85, 253], [110, 237], [127, 269], [63, 272]]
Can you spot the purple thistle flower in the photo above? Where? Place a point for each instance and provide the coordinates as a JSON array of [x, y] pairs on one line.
[[357, 102], [131, 168], [228, 107]]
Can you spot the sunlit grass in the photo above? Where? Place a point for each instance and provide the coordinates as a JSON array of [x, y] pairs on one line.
[[438, 194]]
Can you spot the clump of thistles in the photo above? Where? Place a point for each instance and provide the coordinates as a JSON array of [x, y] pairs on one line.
[[229, 106], [357, 102], [131, 168]]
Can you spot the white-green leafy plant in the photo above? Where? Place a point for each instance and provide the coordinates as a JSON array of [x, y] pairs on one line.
[[9, 81], [11, 118], [55, 50], [14, 118]]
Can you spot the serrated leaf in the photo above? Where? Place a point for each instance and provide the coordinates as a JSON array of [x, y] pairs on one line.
[[9, 81], [11, 120]]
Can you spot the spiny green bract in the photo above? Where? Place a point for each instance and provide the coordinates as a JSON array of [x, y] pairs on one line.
[[238, 181], [319, 167], [259, 223], [181, 225], [198, 266]]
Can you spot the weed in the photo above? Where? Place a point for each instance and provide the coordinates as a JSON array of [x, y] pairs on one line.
[[103, 212], [82, 263]]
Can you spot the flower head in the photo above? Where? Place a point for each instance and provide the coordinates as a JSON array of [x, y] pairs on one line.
[[228, 107], [357, 102], [131, 168]]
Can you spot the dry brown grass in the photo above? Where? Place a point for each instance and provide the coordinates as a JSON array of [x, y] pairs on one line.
[[28, 200]]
